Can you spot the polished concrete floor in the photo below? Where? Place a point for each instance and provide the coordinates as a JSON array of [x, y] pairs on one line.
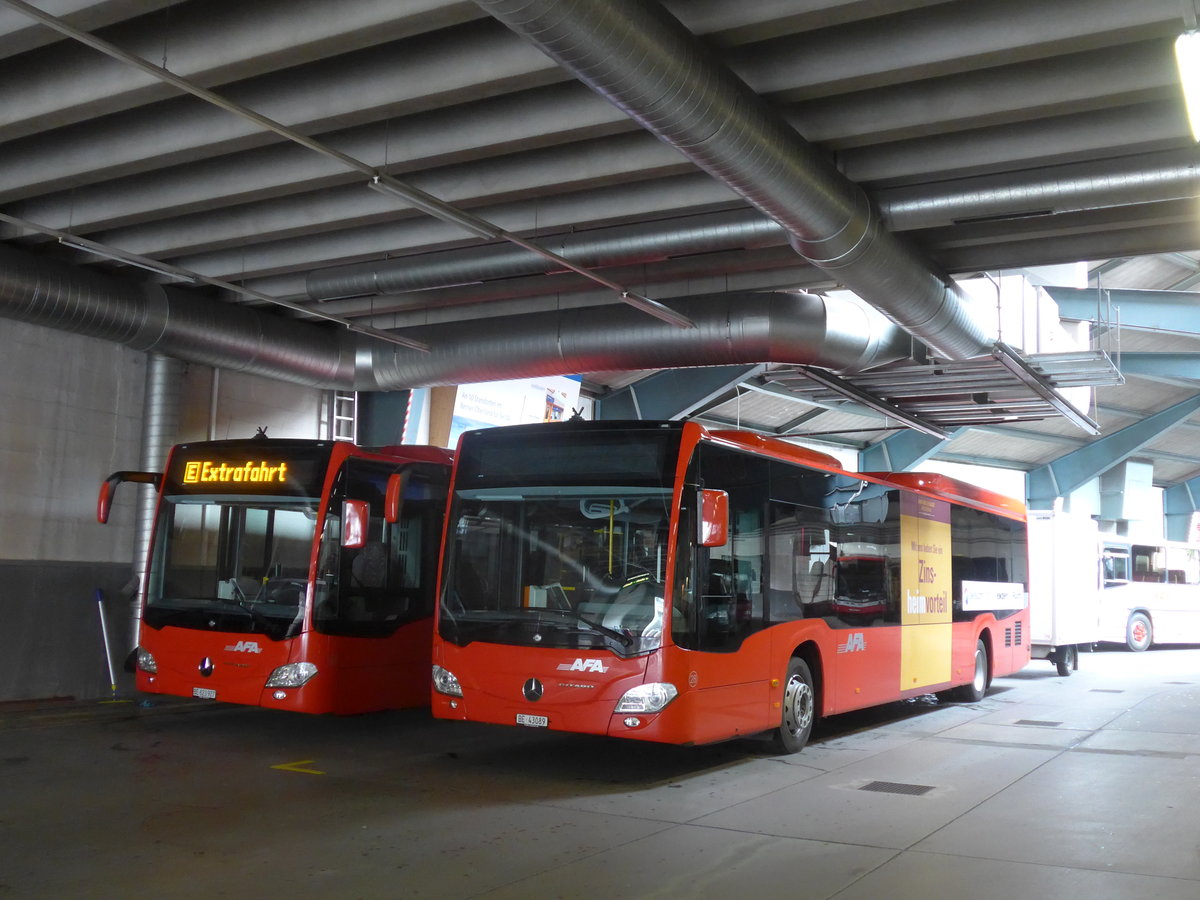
[[1079, 787]]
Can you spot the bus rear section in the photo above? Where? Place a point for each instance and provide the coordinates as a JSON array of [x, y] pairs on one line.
[[657, 581], [293, 574]]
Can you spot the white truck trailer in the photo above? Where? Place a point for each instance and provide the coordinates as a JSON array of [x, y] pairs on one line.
[[1064, 586]]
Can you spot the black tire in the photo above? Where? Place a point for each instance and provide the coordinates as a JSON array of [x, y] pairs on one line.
[[799, 709], [1065, 659], [1139, 633], [973, 691]]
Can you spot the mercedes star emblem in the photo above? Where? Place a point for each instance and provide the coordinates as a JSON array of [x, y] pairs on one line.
[[532, 689]]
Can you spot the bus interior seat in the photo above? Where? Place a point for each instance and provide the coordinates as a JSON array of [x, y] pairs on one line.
[[369, 567]]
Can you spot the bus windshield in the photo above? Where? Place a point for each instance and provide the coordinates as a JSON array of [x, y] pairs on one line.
[[558, 566], [227, 565]]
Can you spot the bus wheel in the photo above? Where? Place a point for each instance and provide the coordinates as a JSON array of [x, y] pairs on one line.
[[1065, 659], [799, 709], [973, 692], [1139, 633]]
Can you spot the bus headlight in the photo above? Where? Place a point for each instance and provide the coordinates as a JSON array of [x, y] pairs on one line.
[[647, 698], [293, 675], [146, 661], [445, 682]]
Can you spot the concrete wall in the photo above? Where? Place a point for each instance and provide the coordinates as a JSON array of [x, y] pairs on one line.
[[244, 403], [71, 408]]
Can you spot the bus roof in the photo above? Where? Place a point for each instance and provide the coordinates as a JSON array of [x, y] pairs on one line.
[[952, 489], [415, 452], [752, 441]]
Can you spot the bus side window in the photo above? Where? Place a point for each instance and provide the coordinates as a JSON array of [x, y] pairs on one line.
[[1114, 568], [683, 604], [1141, 568], [373, 589]]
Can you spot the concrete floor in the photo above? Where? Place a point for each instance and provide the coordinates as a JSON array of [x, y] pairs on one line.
[[1079, 787]]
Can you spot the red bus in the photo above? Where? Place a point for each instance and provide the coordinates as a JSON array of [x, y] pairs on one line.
[[292, 574], [663, 582]]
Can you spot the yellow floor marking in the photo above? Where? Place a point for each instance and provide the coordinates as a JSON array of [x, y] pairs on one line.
[[299, 766]]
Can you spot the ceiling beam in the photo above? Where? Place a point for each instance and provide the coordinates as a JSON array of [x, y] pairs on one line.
[[672, 393], [1162, 365], [900, 452], [1176, 311], [377, 179], [1060, 477]]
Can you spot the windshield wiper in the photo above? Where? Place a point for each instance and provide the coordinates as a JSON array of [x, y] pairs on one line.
[[255, 616], [623, 637]]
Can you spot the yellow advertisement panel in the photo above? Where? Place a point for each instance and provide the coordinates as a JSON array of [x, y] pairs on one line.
[[925, 583]]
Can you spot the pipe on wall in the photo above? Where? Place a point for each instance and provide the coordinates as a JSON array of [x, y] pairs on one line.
[[160, 425]]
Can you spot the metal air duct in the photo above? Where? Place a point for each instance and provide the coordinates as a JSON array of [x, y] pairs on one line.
[[160, 425], [840, 335], [1052, 190], [645, 62], [171, 321], [595, 248], [730, 329]]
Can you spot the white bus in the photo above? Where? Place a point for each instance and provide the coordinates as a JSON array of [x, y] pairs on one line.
[[1150, 593], [1087, 588]]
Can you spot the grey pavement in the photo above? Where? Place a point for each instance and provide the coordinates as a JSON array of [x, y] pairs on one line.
[[1079, 787]]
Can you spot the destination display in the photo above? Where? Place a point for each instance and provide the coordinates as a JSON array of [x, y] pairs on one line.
[[249, 467]]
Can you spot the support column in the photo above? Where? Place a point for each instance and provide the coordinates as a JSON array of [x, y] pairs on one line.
[[160, 425]]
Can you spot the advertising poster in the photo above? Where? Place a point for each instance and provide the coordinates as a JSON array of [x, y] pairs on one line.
[[516, 402], [925, 602]]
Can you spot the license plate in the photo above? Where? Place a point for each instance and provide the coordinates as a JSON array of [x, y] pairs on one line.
[[204, 693], [532, 721]]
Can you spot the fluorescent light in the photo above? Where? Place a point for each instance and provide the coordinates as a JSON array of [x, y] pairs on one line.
[[1187, 57]]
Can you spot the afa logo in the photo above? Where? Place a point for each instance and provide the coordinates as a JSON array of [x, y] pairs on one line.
[[854, 643], [584, 665], [244, 647]]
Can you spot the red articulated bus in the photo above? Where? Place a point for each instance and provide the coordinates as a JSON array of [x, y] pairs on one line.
[[292, 574], [663, 582]]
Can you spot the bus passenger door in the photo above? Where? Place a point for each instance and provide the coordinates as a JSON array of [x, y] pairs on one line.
[[730, 665]]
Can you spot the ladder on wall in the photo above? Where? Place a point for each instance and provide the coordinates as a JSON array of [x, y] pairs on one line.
[[343, 416]]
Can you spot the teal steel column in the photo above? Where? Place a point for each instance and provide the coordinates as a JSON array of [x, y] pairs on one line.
[[1179, 503]]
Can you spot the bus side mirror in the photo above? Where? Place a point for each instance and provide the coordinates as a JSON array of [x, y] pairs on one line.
[[393, 499], [104, 502], [714, 518], [109, 487], [355, 516]]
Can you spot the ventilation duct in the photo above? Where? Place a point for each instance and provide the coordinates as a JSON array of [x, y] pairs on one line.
[[1052, 190], [730, 329], [646, 63], [173, 322], [1096, 184], [595, 248], [839, 335]]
